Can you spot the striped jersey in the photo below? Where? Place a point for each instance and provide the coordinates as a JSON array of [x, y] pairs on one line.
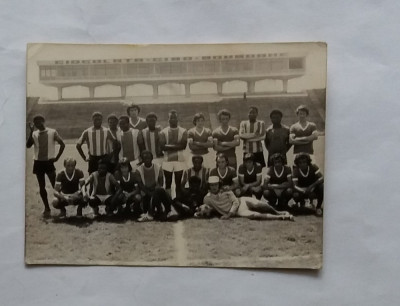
[[279, 177], [151, 176], [298, 131], [203, 137], [96, 140], [252, 127], [129, 144], [151, 141], [139, 125], [44, 144], [221, 136], [250, 176], [202, 174], [174, 136]]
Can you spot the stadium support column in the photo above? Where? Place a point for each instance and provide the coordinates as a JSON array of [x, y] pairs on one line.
[[155, 90], [123, 91], [251, 85], [284, 85], [91, 91], [187, 89], [59, 91], [219, 87]]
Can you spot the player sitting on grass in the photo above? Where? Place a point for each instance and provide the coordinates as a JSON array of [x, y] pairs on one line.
[[308, 184], [226, 204], [44, 142], [278, 183], [250, 178], [189, 199], [156, 201], [67, 190], [226, 174], [128, 199], [101, 188], [197, 171]]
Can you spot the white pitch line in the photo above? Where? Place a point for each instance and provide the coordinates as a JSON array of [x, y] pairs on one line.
[[180, 244]]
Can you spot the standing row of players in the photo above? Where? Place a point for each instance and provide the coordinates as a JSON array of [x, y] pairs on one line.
[[135, 136]]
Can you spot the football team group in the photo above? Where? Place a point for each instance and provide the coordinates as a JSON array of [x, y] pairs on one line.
[[132, 163]]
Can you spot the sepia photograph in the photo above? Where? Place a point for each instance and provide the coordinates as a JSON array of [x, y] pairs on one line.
[[198, 155]]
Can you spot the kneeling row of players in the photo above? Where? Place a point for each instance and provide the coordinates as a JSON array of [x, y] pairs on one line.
[[140, 193]]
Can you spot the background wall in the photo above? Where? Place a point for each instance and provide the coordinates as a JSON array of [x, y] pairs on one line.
[[361, 216]]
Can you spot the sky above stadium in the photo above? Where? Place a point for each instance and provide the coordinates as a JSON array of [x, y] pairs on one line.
[[315, 75]]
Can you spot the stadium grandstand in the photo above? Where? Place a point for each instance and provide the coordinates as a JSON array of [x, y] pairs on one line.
[[186, 70]]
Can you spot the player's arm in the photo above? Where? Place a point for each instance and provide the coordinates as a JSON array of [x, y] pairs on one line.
[[259, 135], [29, 142], [320, 180], [232, 144], [235, 205], [62, 146], [267, 179], [184, 179], [296, 181], [86, 186], [57, 188], [114, 182], [140, 142], [242, 132], [287, 141], [297, 140], [160, 180], [82, 139], [218, 147]]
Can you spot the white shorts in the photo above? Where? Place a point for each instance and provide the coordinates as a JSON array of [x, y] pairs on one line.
[[102, 198], [158, 161], [243, 210], [172, 166]]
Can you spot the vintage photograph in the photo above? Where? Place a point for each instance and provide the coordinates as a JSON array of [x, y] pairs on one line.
[[208, 155]]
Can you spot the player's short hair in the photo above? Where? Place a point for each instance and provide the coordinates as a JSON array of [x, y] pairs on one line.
[[97, 114], [223, 112], [146, 152], [302, 108], [124, 162], [133, 106], [68, 160], [197, 117], [172, 112], [276, 112], [302, 156], [124, 118], [277, 156], [248, 156], [194, 157], [112, 116], [151, 115], [222, 155], [253, 108], [39, 117]]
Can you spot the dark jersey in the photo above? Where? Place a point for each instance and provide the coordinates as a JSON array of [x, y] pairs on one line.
[[278, 178], [308, 177], [227, 177], [250, 176], [68, 184], [127, 184]]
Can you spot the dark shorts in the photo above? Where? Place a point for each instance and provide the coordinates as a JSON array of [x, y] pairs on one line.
[[41, 167], [94, 162], [259, 158]]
